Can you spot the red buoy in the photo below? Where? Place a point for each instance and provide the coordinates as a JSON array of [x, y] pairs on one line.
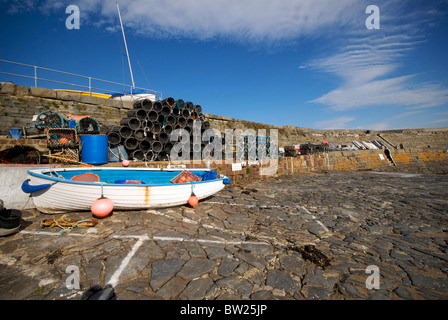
[[101, 207], [193, 200]]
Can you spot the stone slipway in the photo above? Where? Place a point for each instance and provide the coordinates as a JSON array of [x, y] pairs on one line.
[[238, 244]]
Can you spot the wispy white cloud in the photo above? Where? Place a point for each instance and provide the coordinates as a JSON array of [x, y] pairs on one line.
[[378, 126], [387, 123], [440, 121], [236, 20], [241, 20], [398, 91], [368, 66], [348, 122], [338, 123], [368, 63], [20, 6]]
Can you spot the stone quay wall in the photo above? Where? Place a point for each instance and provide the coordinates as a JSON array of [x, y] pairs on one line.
[[425, 138], [18, 104], [418, 150], [411, 161]]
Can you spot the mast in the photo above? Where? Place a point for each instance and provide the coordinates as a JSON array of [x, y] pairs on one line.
[[126, 46]]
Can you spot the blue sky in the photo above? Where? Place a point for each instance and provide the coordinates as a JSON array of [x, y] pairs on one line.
[[305, 63]]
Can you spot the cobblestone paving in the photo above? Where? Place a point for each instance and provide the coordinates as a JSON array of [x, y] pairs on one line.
[[247, 242]]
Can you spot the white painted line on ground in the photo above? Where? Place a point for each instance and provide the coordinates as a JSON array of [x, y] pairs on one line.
[[142, 238], [208, 241], [186, 220], [247, 205], [160, 238], [259, 206], [116, 276], [322, 225], [352, 217], [267, 207], [306, 210], [46, 233]]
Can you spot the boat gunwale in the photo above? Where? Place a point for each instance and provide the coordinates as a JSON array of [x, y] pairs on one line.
[[41, 173]]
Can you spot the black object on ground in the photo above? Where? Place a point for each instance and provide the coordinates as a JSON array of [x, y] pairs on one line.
[[9, 220]]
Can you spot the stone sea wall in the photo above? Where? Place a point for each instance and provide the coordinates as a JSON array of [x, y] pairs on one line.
[[18, 105], [435, 138], [417, 150], [411, 161]]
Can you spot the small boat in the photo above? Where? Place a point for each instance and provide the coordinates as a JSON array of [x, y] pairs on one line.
[[60, 190], [136, 94]]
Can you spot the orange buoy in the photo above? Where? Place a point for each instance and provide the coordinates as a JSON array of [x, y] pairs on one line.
[[101, 207], [125, 163], [193, 200]]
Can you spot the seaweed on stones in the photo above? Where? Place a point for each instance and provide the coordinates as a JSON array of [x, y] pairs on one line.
[[312, 254]]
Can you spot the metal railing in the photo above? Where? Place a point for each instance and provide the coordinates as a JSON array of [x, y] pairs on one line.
[[89, 87]]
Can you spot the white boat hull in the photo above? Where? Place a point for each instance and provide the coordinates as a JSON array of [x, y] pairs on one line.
[[66, 196], [133, 97]]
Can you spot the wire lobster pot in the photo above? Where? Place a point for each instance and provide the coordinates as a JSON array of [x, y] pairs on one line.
[[62, 144], [50, 119], [62, 138], [88, 125]]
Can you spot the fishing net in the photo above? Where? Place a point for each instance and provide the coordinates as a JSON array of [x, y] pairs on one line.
[[20, 155]]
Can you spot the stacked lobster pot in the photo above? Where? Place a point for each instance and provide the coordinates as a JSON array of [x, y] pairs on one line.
[[253, 147], [145, 131], [52, 119]]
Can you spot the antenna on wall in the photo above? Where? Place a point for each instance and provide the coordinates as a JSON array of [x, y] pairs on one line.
[[126, 46]]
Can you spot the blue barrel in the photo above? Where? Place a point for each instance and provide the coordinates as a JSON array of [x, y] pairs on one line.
[[94, 148]]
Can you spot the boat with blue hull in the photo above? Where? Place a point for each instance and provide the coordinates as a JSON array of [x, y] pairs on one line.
[[60, 190]]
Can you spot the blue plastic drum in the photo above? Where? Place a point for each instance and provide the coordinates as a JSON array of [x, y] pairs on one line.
[[94, 149]]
